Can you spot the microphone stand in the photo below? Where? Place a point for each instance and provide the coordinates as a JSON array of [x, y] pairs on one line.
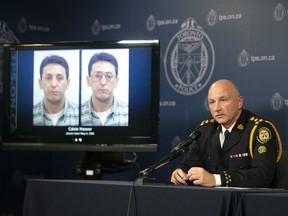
[[166, 159], [181, 148]]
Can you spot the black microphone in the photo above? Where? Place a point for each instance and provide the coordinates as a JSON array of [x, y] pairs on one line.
[[191, 138], [178, 150]]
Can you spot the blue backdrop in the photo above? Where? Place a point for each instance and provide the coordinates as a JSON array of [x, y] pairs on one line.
[[241, 40]]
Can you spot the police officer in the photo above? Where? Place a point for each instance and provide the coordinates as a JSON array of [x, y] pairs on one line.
[[236, 148]]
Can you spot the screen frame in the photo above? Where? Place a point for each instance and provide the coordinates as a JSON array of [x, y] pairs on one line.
[[128, 143]]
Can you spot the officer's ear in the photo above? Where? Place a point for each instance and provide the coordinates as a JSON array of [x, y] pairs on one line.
[[240, 102]]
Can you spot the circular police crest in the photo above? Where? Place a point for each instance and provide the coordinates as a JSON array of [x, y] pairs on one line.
[[22, 25], [279, 12], [96, 27], [189, 59], [151, 23], [277, 101], [264, 135], [243, 58], [211, 18]]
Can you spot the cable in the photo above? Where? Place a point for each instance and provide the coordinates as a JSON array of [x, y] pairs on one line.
[[132, 191]]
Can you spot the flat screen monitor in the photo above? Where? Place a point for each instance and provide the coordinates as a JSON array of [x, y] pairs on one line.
[[81, 96]]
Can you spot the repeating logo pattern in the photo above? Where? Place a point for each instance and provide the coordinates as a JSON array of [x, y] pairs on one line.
[[277, 102], [97, 27], [243, 58], [279, 12], [151, 23], [212, 18]]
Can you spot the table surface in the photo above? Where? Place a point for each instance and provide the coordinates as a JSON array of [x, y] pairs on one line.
[[252, 204], [89, 197]]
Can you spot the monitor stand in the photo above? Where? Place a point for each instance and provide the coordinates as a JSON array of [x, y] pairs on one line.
[[93, 164]]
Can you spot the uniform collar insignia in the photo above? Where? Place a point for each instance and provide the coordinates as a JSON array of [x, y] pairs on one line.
[[240, 127]]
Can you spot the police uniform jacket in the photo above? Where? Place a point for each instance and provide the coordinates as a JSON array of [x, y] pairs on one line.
[[243, 161]]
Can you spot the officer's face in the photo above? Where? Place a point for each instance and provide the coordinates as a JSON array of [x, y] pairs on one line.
[[224, 103]]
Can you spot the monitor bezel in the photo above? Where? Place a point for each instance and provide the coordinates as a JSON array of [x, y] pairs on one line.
[[133, 143]]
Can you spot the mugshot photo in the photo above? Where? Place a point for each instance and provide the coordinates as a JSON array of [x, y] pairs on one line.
[[105, 87], [56, 88]]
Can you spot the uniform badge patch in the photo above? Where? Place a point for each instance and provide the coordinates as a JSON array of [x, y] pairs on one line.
[[262, 149], [264, 135]]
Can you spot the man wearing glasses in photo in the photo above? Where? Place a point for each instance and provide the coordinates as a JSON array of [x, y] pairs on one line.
[[103, 108]]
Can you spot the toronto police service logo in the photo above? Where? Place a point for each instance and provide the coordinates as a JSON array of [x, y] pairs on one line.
[[279, 12], [243, 58], [211, 18], [151, 23], [277, 102], [189, 59]]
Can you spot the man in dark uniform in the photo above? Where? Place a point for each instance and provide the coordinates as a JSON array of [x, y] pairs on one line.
[[245, 156]]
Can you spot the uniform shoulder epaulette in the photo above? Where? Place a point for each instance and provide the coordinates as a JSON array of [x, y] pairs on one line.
[[207, 121], [256, 120]]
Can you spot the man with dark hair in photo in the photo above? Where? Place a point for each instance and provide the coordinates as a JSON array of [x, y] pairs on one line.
[[236, 148], [55, 109], [103, 108]]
